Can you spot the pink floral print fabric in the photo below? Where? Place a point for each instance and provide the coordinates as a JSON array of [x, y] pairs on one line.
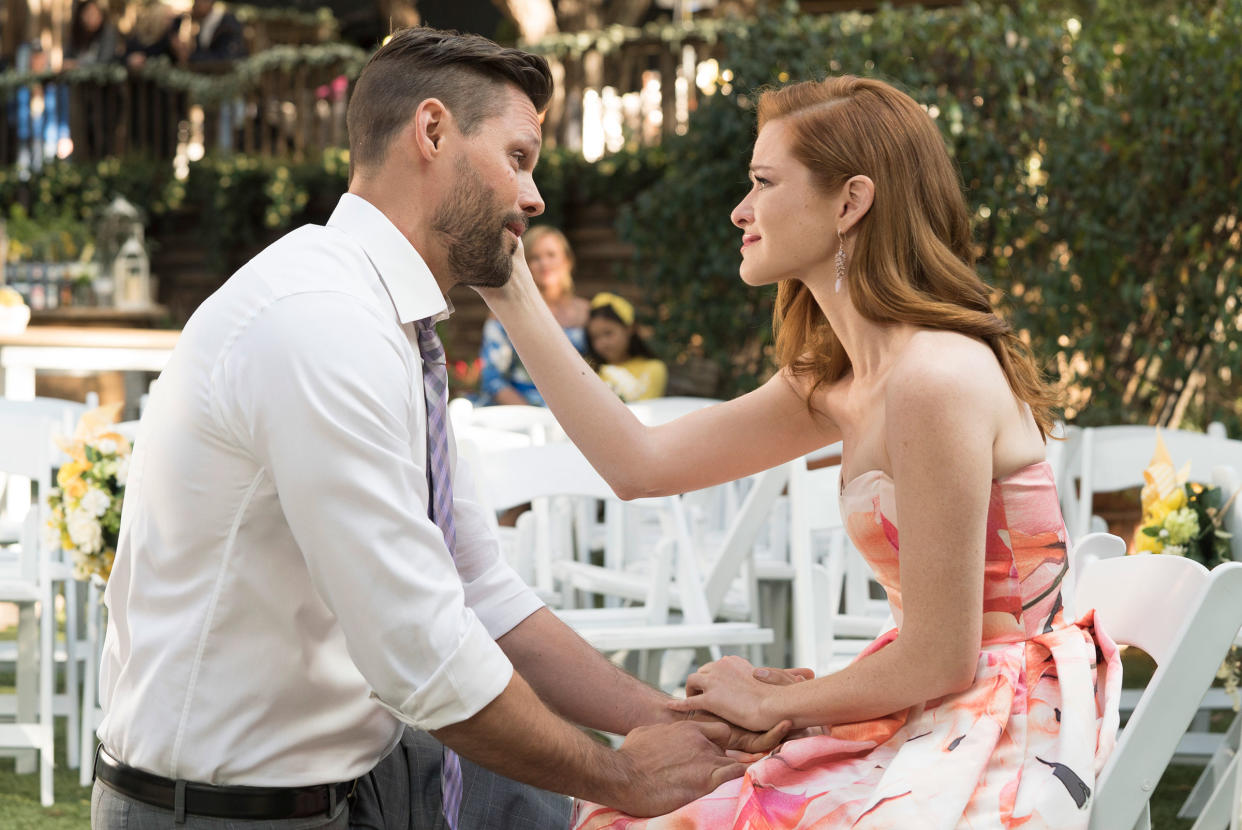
[[1021, 748]]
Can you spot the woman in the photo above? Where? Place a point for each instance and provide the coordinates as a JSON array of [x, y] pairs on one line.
[[93, 39], [503, 379], [985, 707], [622, 358]]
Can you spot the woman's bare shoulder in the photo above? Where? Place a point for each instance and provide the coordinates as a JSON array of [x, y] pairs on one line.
[[949, 366]]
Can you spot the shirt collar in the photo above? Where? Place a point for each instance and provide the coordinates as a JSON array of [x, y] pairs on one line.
[[405, 274]]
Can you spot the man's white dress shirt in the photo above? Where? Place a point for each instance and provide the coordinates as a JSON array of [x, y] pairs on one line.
[[280, 603]]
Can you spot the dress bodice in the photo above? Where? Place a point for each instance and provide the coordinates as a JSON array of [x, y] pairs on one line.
[[1025, 548]]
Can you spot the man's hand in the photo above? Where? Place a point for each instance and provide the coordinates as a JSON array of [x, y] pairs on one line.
[[744, 745], [670, 765]]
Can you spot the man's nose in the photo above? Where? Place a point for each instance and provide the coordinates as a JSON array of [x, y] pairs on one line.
[[530, 202]]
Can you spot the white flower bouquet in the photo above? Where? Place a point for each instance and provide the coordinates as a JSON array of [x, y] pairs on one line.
[[85, 518]]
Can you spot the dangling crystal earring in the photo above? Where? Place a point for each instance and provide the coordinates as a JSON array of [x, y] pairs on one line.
[[840, 261]]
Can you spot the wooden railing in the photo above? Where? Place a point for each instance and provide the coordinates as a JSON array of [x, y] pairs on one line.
[[614, 89], [288, 108]]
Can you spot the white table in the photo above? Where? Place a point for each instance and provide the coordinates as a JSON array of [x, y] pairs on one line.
[[76, 349]]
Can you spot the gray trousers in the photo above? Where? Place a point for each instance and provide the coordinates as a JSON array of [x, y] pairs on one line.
[[401, 793]]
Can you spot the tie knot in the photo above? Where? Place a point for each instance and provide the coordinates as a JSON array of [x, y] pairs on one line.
[[429, 345]]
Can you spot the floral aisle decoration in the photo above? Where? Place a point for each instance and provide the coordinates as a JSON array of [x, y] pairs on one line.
[[85, 518], [1186, 518]]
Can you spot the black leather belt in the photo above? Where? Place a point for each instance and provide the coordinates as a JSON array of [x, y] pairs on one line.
[[255, 803]]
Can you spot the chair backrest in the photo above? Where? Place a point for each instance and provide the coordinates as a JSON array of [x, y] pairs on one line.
[[1089, 548], [814, 507], [506, 478], [25, 457], [1113, 458], [1185, 618]]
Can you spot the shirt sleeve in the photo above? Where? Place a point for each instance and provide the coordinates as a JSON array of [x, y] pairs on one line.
[[494, 591], [318, 388]]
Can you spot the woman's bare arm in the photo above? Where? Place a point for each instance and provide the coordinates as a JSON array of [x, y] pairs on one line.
[[941, 421], [766, 427]]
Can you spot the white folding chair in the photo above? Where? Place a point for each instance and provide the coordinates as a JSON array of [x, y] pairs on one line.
[[1185, 618], [64, 415], [828, 632], [25, 454], [539, 475], [1220, 783]]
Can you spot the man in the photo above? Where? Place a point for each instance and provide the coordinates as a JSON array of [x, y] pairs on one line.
[[220, 36], [303, 596]]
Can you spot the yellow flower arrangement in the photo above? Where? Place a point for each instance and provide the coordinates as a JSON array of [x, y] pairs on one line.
[[85, 518], [1184, 518]]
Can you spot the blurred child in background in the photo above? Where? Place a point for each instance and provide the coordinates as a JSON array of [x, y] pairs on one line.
[[619, 354]]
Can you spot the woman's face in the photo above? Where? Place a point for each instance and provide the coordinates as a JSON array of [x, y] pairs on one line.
[[788, 225], [549, 265], [609, 339], [92, 17]]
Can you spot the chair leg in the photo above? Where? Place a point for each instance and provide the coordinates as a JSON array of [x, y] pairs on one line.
[[1215, 813], [47, 676], [27, 680], [72, 655], [1214, 779]]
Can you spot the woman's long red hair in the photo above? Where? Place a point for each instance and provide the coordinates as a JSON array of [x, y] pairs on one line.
[[912, 260]]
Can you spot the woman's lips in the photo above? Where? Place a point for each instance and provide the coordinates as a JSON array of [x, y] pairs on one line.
[[749, 239]]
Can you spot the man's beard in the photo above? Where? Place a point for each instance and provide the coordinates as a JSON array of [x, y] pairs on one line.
[[476, 231]]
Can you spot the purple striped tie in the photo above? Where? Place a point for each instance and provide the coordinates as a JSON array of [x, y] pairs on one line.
[[440, 483]]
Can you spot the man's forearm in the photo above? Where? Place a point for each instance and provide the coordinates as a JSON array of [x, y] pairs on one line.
[[656, 770], [519, 738], [577, 681]]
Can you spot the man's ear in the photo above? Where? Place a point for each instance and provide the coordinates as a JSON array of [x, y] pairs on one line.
[[432, 123]]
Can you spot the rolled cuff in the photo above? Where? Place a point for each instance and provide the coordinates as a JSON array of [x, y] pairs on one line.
[[500, 599], [473, 676]]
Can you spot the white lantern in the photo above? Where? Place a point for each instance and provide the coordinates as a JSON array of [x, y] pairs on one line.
[[131, 276], [120, 222]]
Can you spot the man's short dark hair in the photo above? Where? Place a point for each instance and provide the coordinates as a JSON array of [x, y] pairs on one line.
[[465, 72]]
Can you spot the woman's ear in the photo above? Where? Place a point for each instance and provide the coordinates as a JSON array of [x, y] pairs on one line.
[[859, 194]]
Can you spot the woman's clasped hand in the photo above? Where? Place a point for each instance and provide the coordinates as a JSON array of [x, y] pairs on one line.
[[738, 692]]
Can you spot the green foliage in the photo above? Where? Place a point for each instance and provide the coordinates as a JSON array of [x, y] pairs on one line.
[[239, 200], [1100, 154], [567, 181]]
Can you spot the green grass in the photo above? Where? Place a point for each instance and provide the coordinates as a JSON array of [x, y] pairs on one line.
[[20, 808], [19, 796]]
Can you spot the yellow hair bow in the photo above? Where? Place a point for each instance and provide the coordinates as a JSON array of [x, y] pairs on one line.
[[620, 306]]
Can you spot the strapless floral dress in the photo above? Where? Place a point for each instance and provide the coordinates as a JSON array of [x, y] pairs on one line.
[[1020, 748]]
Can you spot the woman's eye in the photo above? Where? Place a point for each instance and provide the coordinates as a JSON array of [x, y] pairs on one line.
[[761, 182]]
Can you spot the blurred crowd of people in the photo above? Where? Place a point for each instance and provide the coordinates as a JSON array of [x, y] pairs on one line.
[[604, 330]]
